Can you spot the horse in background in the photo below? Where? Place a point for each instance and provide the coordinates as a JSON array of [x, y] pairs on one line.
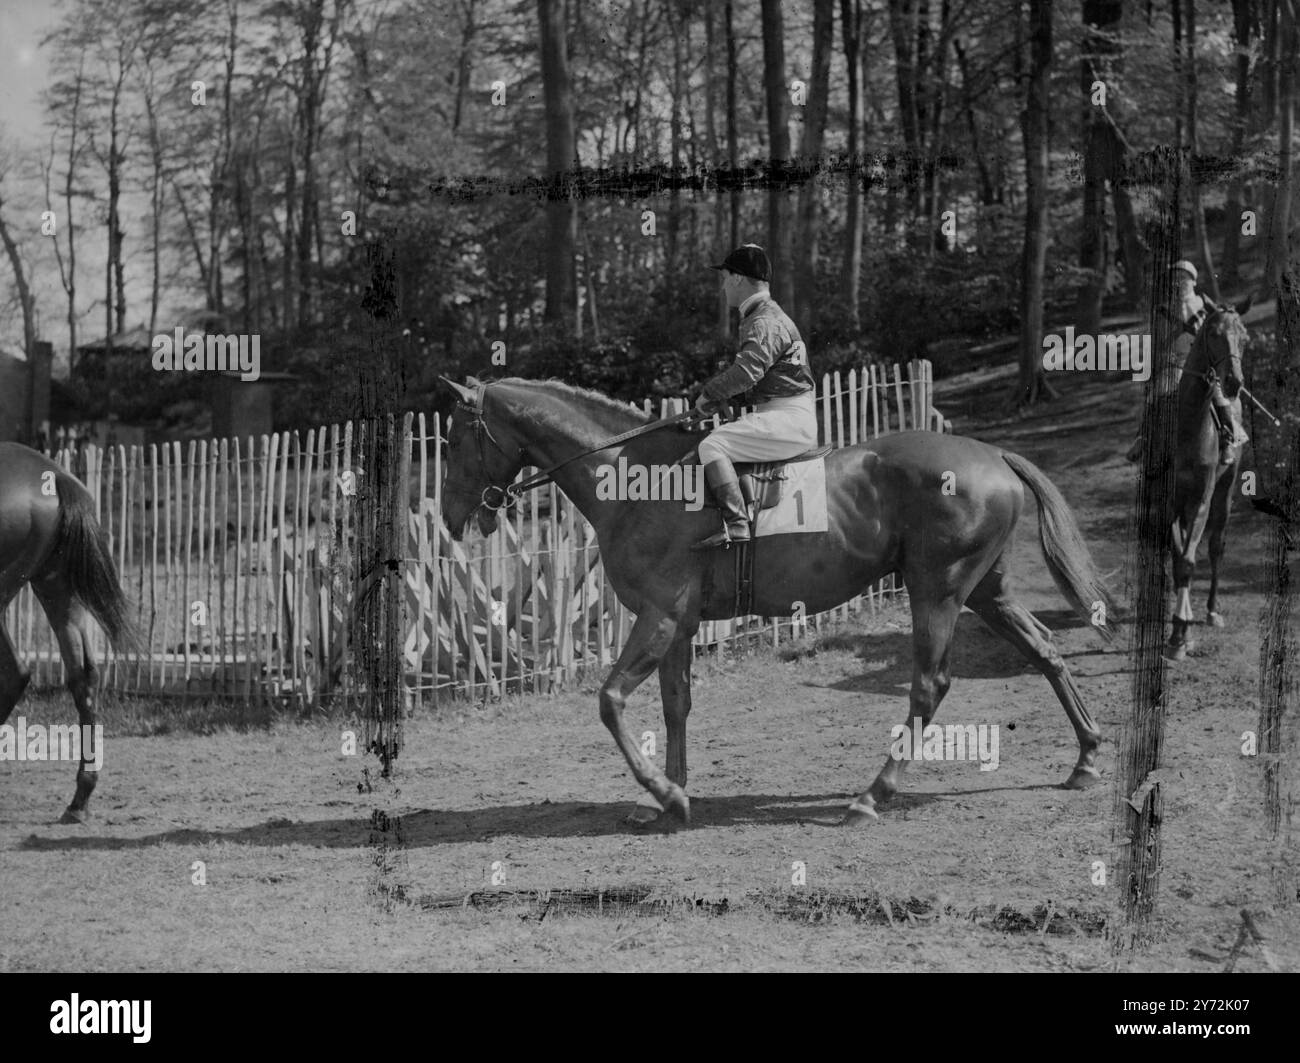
[[49, 537]]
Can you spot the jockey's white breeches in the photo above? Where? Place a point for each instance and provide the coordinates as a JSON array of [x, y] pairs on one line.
[[779, 428]]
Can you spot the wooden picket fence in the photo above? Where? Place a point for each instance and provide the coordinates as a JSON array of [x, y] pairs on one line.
[[240, 560]]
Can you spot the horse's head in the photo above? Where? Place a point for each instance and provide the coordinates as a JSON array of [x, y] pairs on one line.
[[481, 461], [1220, 344]]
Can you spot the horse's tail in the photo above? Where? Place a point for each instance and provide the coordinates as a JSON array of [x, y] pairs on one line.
[[82, 553], [1067, 555]]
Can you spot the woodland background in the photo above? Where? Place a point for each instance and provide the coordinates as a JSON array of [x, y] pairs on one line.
[[499, 157]]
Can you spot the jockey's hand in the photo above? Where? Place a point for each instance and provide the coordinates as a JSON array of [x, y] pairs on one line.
[[705, 403]]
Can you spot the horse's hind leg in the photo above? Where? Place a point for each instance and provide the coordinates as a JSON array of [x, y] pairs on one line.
[[933, 624], [1220, 507], [14, 677], [994, 603], [69, 621]]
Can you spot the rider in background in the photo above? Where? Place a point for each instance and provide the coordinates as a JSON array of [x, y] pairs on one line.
[[772, 364], [1192, 314]]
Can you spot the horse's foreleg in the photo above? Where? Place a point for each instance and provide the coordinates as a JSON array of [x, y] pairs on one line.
[[14, 677], [652, 639], [933, 624], [993, 602], [1218, 526], [1184, 547], [69, 620]]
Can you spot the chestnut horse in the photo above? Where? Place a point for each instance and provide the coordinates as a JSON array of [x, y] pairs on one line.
[[937, 509], [49, 538]]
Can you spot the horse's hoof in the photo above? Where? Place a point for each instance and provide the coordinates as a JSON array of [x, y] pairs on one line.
[[74, 815], [678, 804], [1082, 779], [859, 814], [1215, 619], [1175, 653]]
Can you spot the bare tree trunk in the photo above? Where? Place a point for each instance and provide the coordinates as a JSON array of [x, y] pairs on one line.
[[290, 203], [464, 67], [987, 193], [715, 150], [851, 18], [1269, 71], [115, 271], [733, 148], [1242, 33], [309, 109], [1180, 76], [676, 29], [903, 19], [1211, 281], [1035, 119], [155, 203], [561, 214], [68, 277], [778, 127], [1280, 227], [938, 97], [814, 132], [25, 300], [1100, 18]]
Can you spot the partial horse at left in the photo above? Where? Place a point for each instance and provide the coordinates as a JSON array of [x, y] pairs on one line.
[[49, 538]]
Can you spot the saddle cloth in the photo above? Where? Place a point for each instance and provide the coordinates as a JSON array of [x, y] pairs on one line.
[[762, 484]]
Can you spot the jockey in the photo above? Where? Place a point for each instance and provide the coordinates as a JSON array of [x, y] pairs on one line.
[[773, 362], [1192, 314]]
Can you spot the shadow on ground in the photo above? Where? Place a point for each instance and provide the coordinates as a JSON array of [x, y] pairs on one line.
[[422, 828]]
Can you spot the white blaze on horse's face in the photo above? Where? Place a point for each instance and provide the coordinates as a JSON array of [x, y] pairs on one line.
[[1227, 340]]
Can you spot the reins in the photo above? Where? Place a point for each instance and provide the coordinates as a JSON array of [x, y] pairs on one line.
[[510, 494], [1211, 374]]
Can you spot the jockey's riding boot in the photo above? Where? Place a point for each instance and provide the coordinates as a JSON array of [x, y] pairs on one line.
[[721, 478]]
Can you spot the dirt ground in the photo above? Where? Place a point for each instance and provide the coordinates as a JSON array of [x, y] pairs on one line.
[[311, 863]]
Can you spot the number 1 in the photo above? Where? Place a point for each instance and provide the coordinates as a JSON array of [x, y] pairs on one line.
[[798, 505]]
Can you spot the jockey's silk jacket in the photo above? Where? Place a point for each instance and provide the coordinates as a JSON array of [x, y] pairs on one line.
[[772, 361]]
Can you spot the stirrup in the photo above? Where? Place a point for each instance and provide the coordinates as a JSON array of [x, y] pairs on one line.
[[722, 538]]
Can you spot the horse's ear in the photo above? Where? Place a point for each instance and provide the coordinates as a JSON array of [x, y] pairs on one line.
[[466, 394], [1245, 304]]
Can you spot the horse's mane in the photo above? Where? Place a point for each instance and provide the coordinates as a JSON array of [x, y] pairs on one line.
[[585, 394]]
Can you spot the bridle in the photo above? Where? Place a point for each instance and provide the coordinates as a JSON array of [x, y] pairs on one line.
[[1211, 375], [1202, 339], [507, 496]]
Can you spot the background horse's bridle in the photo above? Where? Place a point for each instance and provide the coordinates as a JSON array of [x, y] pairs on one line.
[[1202, 337]]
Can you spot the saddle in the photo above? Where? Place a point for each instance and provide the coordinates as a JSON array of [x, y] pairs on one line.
[[762, 484]]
